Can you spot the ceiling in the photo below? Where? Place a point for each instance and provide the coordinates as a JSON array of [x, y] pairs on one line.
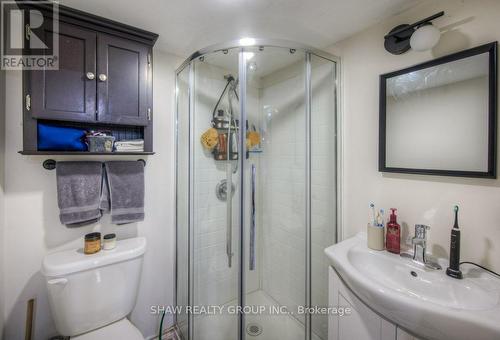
[[185, 26]]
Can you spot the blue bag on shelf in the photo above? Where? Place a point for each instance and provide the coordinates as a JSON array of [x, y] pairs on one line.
[[60, 138]]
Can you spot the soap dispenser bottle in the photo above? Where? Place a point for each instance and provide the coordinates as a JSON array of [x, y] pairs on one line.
[[393, 234]]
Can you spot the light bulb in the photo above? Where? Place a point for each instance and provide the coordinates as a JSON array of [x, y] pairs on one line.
[[425, 38], [247, 41]]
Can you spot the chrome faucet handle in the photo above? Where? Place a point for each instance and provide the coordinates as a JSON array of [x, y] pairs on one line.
[[420, 247], [421, 231]]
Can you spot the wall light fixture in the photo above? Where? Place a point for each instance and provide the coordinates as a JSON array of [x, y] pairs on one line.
[[420, 36]]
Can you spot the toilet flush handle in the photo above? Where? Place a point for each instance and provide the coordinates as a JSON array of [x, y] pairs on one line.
[[59, 281]]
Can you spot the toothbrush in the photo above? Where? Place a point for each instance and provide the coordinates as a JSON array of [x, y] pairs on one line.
[[380, 218], [374, 219], [454, 269]]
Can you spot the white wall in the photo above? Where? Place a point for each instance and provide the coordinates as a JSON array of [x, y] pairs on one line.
[[158, 276], [33, 229], [420, 199]]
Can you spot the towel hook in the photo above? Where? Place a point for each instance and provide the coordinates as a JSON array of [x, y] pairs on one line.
[[50, 164]]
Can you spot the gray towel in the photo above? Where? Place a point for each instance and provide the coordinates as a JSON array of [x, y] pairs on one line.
[[79, 192], [125, 180]]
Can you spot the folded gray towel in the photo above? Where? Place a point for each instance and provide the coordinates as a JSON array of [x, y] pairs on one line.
[[79, 192], [125, 180]]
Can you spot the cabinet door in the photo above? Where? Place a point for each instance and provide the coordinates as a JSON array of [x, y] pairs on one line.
[[362, 323], [403, 335], [122, 81], [67, 94]]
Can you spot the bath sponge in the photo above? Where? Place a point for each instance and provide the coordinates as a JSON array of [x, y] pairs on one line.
[[253, 139], [209, 139]]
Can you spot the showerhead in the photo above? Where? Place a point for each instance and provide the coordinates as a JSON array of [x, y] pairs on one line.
[[233, 84], [230, 79]]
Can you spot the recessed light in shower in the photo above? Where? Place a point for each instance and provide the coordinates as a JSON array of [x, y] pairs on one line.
[[247, 41]]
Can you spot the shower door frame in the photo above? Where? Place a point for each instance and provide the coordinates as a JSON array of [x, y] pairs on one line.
[[241, 45]]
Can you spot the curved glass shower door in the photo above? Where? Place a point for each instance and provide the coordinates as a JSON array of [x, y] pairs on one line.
[[256, 192], [216, 190], [274, 204]]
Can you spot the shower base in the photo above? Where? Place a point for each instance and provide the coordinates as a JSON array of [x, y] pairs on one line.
[[264, 326]]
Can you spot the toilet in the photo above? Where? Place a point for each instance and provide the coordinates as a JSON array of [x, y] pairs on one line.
[[91, 295]]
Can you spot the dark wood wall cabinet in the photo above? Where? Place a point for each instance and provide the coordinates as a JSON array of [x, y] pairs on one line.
[[104, 80]]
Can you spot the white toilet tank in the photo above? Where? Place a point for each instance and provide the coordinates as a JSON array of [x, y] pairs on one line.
[[91, 291]]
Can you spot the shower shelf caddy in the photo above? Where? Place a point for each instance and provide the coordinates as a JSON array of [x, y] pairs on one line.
[[233, 155], [223, 127]]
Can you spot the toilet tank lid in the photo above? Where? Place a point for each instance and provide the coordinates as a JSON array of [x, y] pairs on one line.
[[74, 260]]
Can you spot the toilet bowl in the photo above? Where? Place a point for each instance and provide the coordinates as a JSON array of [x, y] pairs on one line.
[[91, 295]]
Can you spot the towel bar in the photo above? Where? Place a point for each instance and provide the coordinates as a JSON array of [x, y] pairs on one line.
[[50, 164]]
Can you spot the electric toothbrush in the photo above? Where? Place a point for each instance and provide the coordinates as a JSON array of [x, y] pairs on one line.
[[454, 269]]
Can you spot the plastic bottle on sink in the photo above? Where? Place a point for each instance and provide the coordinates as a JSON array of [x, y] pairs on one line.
[[393, 234]]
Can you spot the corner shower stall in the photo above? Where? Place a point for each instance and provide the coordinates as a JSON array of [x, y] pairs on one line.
[[256, 190]]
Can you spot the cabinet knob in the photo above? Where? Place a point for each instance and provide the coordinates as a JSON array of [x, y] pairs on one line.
[[90, 76], [103, 77]]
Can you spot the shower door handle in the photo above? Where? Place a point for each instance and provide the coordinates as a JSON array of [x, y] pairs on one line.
[[252, 221], [229, 227], [229, 215]]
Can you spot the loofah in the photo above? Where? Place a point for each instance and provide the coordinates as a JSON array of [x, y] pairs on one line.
[[209, 139], [253, 139]]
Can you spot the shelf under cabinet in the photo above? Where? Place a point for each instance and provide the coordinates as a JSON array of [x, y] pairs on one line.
[[83, 153]]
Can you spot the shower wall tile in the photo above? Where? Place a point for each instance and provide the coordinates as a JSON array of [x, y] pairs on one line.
[[278, 108], [215, 283], [283, 164], [283, 187]]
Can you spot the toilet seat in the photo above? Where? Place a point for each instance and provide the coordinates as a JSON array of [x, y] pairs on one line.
[[119, 330]]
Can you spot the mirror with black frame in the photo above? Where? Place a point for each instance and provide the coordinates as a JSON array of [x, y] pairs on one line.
[[439, 117]]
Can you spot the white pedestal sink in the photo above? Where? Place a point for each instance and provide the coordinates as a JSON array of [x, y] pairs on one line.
[[426, 302]]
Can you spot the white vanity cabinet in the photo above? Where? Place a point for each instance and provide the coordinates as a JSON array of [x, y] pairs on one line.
[[386, 290], [362, 323]]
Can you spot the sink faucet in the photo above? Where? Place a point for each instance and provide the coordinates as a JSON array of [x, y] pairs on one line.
[[419, 243]]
